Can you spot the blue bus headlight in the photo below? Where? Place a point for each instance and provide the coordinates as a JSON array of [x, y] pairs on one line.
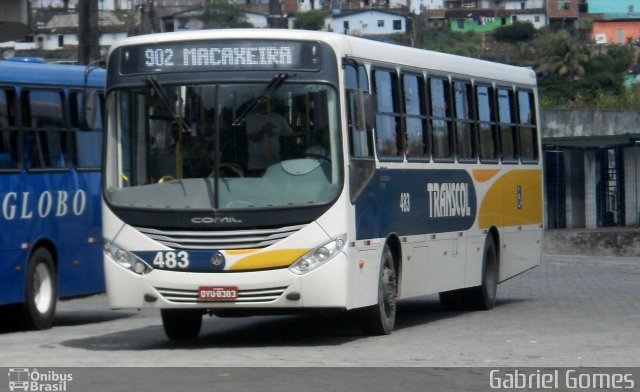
[[126, 259], [318, 256]]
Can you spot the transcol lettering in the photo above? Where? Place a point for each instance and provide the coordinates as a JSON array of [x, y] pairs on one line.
[[448, 199]]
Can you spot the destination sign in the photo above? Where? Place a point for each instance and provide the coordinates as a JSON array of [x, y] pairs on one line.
[[220, 55]]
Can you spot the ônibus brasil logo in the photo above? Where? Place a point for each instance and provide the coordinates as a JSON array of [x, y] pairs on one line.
[[31, 380]]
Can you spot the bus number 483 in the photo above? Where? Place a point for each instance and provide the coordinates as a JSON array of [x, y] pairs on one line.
[[171, 260]]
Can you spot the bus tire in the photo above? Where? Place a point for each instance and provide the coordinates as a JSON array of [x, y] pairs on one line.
[[181, 324], [380, 319], [41, 290], [483, 297]]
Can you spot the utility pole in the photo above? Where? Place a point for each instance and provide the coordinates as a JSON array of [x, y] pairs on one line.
[[88, 45]]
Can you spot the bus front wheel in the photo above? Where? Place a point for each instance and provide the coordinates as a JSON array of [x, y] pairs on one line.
[[41, 290], [181, 324], [380, 319]]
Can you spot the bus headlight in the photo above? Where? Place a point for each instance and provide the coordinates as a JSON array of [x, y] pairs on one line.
[[126, 259], [318, 256]]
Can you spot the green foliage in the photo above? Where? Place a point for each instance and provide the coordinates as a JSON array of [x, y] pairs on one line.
[[219, 14], [442, 40], [564, 56], [310, 20], [519, 31]]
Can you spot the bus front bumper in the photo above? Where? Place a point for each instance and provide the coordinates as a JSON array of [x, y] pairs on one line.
[[324, 287]]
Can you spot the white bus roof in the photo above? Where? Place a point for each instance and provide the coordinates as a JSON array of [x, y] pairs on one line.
[[359, 48]]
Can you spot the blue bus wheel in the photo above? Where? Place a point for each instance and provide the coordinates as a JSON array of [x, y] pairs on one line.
[[41, 290]]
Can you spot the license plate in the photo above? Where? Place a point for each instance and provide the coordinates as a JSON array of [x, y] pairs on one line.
[[206, 293]]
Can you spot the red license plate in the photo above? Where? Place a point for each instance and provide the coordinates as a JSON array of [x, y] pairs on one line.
[[207, 293]]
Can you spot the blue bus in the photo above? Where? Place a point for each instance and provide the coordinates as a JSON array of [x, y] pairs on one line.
[[50, 158]]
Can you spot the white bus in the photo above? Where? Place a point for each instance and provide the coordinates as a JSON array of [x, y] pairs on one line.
[[268, 171]]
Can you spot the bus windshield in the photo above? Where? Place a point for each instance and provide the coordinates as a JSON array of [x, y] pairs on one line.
[[223, 146]]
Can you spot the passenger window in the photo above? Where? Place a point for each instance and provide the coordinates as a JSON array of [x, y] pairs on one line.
[[440, 121], [488, 146], [465, 127], [388, 138], [417, 141], [508, 147], [8, 133], [527, 127], [45, 139]]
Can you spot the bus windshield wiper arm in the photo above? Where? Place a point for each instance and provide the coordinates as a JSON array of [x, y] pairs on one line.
[[166, 102], [273, 85]]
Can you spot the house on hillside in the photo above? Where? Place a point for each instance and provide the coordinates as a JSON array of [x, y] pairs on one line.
[[368, 22], [620, 29], [485, 16], [58, 28], [190, 20], [615, 22]]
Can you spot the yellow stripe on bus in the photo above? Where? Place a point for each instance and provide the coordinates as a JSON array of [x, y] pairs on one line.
[[483, 175], [500, 206], [269, 259]]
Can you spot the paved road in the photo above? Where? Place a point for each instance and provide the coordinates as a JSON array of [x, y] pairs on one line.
[[571, 311]]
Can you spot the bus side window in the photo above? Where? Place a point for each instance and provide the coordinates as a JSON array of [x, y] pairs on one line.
[[465, 126], [440, 119], [506, 119], [8, 136], [87, 144], [388, 136], [487, 136], [360, 133], [527, 127], [45, 144], [415, 120]]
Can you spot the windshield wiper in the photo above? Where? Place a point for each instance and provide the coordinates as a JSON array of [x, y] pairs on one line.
[[166, 102], [273, 85]]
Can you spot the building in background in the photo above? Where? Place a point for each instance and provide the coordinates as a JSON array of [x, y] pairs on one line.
[[368, 23]]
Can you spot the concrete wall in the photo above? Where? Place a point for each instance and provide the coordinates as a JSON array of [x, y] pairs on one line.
[[561, 123], [599, 242]]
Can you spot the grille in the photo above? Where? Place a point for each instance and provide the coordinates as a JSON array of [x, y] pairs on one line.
[[228, 239], [244, 296]]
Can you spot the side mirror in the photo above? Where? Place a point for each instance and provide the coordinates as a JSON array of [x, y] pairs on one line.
[[370, 110], [90, 112]]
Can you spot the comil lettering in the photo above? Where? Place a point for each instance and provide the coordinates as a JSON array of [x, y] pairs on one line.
[[26, 205], [449, 199], [261, 55]]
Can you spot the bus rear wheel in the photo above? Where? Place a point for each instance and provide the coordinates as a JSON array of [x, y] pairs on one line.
[[380, 319], [483, 297], [181, 324], [41, 290]]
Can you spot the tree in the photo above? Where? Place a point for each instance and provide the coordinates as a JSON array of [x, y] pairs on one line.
[[519, 31], [220, 14], [563, 56], [310, 20]]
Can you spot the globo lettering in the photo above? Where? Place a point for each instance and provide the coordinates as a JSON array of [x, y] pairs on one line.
[[26, 205]]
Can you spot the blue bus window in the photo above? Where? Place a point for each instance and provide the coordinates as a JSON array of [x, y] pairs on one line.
[[8, 137], [45, 147]]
